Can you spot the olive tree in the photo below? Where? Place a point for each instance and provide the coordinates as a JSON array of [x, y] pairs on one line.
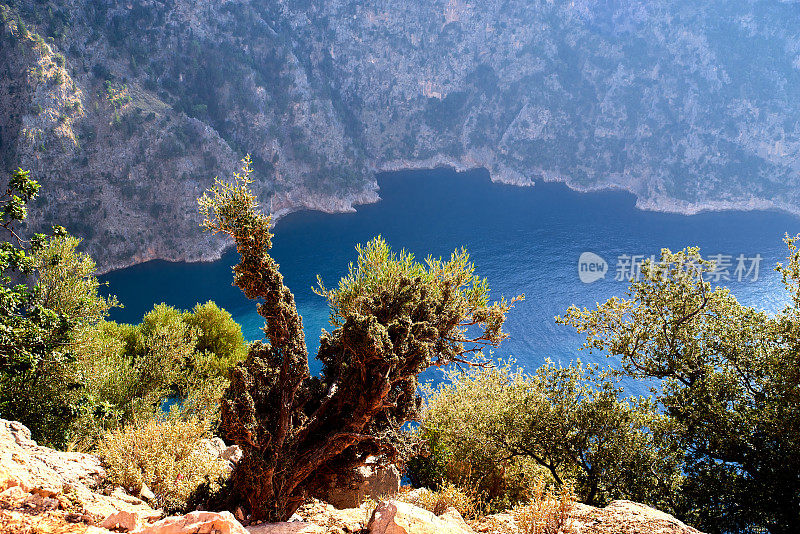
[[728, 380], [392, 318]]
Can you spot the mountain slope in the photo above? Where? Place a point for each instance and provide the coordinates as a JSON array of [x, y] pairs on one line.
[[688, 105]]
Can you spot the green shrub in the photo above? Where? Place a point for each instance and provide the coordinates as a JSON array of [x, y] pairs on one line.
[[453, 445], [117, 94], [167, 455], [42, 324], [219, 338], [22, 29], [131, 369], [499, 429], [123, 386]]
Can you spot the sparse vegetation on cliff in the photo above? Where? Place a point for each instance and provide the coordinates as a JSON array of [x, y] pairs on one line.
[[325, 93]]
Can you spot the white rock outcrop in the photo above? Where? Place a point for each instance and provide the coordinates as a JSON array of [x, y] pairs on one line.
[[196, 523], [396, 517]]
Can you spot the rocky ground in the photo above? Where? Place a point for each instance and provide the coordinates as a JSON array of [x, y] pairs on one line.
[[47, 491]]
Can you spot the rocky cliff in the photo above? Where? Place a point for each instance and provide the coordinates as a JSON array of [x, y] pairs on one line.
[[125, 111]]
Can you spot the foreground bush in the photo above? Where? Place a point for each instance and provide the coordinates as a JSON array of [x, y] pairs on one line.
[[451, 445], [499, 430], [392, 318], [130, 370], [166, 455]]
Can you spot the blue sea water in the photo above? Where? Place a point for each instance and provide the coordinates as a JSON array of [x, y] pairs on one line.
[[523, 239]]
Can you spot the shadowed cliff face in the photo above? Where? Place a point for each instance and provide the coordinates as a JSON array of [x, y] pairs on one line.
[[125, 111]]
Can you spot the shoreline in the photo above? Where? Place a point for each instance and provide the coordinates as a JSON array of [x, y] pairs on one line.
[[295, 202]]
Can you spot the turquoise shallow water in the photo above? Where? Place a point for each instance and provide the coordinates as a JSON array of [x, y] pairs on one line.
[[524, 240]]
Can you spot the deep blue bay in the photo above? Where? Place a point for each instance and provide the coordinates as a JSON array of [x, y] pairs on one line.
[[523, 239]]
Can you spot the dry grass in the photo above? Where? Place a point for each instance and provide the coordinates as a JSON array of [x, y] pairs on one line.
[[548, 512], [447, 496], [166, 455]]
